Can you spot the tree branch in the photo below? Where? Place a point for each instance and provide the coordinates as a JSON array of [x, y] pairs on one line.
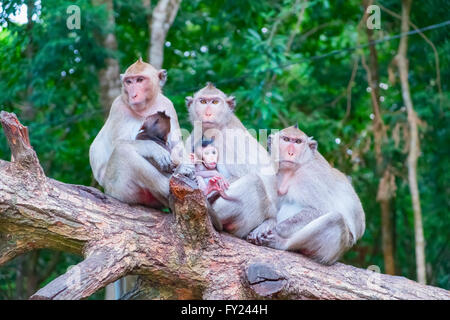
[[180, 254]]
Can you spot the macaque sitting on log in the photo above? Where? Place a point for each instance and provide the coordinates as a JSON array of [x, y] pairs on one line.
[[209, 180], [242, 161], [119, 161], [319, 213]]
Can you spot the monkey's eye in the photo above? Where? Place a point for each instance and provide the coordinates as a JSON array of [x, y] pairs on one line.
[[298, 141], [128, 81], [215, 101], [203, 101], [140, 79], [214, 152], [286, 139]]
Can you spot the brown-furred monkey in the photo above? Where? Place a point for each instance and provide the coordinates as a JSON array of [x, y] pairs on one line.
[[136, 171], [243, 162], [319, 213]]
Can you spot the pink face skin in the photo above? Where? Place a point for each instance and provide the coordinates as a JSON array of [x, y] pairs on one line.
[[210, 156], [290, 150], [137, 88], [208, 109]]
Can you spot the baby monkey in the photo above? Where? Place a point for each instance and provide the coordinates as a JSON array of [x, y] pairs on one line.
[[156, 127], [209, 180]]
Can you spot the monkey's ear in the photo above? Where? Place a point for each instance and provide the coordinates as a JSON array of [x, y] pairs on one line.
[[312, 143], [189, 101], [122, 75], [231, 101], [162, 75]]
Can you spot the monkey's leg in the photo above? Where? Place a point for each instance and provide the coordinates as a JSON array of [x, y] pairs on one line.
[[128, 173], [250, 208], [324, 239], [286, 228]]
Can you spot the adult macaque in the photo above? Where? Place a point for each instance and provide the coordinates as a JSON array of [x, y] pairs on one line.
[[319, 214], [243, 162], [209, 180], [119, 162]]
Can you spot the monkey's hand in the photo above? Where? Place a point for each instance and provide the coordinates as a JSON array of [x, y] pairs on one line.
[[162, 161], [213, 185], [187, 170]]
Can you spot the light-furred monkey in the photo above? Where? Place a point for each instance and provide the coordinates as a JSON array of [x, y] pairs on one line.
[[243, 162], [319, 214], [122, 164]]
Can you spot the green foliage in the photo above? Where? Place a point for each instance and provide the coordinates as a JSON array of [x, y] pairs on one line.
[[241, 46]]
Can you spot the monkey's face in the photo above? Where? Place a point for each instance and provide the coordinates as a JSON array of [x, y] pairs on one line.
[[210, 157], [211, 110], [210, 106], [295, 148], [137, 88], [156, 126]]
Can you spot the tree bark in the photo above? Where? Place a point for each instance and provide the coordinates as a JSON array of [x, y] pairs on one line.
[[161, 19], [109, 76], [401, 62], [177, 255]]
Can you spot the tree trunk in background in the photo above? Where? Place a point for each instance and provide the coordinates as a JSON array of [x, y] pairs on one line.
[[414, 143], [27, 110], [386, 186], [109, 77], [161, 19]]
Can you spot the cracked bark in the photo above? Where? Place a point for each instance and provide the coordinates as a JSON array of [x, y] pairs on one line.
[[177, 256]]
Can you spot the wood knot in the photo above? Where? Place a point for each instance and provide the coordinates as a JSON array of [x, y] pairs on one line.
[[264, 279]]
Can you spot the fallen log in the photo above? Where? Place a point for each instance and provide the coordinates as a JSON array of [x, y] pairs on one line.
[[177, 255]]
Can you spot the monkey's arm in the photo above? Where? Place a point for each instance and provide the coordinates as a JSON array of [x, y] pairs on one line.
[[207, 173], [151, 151]]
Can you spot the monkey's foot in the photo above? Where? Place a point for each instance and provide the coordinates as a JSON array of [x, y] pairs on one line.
[[272, 239], [255, 237]]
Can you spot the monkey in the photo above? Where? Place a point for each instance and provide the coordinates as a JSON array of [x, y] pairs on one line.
[[132, 170], [242, 161], [319, 212], [208, 178], [156, 127], [120, 162]]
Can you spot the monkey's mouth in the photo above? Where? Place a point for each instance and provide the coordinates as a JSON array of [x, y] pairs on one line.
[[287, 163], [210, 165], [208, 123]]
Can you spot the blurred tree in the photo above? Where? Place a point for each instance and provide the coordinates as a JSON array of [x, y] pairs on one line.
[[386, 186], [401, 62], [109, 76]]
